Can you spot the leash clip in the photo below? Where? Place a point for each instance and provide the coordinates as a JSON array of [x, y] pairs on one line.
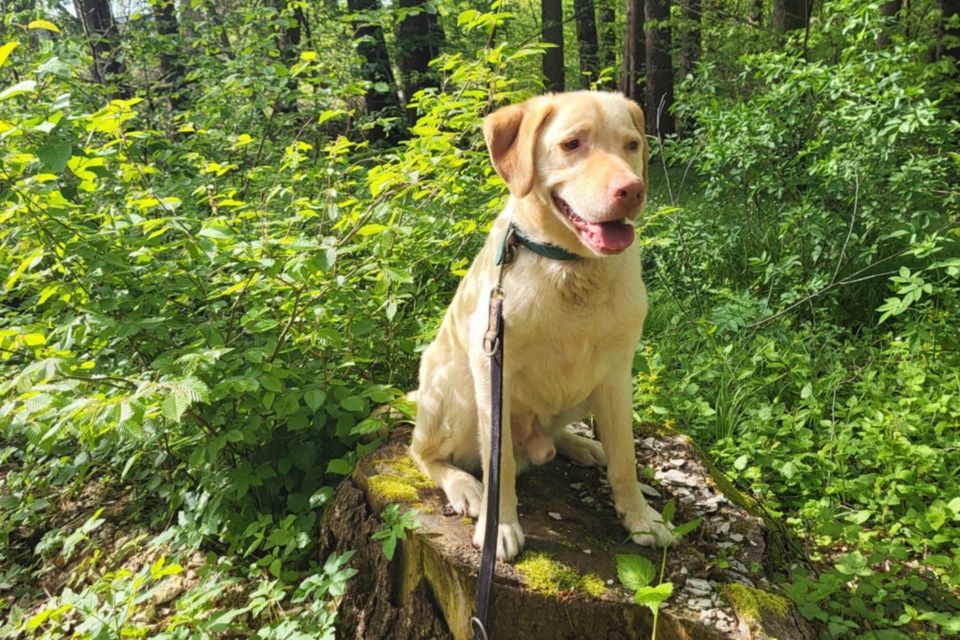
[[479, 631], [491, 339]]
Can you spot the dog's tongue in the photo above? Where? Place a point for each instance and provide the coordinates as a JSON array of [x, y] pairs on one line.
[[608, 237]]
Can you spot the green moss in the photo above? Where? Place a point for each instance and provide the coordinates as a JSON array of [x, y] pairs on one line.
[[753, 604], [390, 488], [399, 481], [543, 574], [593, 585], [405, 467]]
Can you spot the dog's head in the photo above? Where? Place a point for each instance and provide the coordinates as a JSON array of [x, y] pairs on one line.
[[582, 155]]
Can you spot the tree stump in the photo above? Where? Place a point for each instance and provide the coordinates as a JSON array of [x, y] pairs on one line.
[[565, 584]]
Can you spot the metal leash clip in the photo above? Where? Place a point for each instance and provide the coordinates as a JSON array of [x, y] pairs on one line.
[[505, 258]]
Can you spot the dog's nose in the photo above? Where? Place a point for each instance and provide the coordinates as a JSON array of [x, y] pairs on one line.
[[627, 190]]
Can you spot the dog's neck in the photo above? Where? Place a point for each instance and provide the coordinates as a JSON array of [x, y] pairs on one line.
[[576, 280]]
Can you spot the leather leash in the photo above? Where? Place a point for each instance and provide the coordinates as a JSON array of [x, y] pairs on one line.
[[493, 348]]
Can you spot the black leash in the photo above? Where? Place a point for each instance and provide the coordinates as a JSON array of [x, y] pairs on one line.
[[493, 347]]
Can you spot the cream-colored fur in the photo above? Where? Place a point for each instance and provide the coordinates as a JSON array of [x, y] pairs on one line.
[[571, 326]]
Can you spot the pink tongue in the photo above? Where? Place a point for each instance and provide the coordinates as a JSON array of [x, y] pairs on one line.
[[607, 236]]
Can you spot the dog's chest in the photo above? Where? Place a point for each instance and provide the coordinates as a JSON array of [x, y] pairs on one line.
[[563, 340]]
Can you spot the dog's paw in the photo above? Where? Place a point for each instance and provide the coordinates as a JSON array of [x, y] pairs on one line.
[[647, 528], [583, 451], [509, 539], [465, 494]]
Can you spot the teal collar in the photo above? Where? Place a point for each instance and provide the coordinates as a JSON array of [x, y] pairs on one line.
[[514, 236]]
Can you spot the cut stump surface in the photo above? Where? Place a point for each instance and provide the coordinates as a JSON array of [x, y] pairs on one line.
[[565, 584]]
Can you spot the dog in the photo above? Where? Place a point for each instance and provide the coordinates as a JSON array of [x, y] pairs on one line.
[[576, 168]]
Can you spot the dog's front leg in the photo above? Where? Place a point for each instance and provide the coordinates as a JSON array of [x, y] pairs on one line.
[[613, 409], [509, 534]]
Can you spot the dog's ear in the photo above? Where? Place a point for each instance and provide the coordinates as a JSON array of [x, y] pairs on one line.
[[511, 136], [636, 114]]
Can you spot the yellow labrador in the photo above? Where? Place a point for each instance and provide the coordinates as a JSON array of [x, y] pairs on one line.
[[576, 167]]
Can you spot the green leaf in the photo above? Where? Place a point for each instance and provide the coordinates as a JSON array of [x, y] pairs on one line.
[[5, 51], [55, 154], [371, 229], [635, 572], [354, 404], [25, 86], [272, 383], [43, 24], [340, 467], [685, 528], [314, 398], [669, 510], [653, 597]]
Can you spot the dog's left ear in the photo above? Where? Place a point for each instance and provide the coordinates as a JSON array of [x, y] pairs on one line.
[[636, 114], [511, 135]]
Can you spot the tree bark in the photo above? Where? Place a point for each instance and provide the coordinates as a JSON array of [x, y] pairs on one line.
[[634, 52], [659, 89], [419, 40], [171, 66], [948, 43], [381, 98], [551, 32], [101, 32], [889, 10], [790, 14], [587, 45], [690, 37], [607, 36]]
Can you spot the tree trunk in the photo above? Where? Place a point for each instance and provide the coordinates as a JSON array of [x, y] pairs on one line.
[[607, 32], [171, 66], [101, 32], [789, 15], [565, 585], [551, 32], [889, 10], [756, 13], [381, 98], [948, 44], [587, 45], [690, 37], [634, 52], [659, 89], [419, 40]]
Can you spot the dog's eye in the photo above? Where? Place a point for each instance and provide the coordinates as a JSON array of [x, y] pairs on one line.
[[571, 145], [633, 145]]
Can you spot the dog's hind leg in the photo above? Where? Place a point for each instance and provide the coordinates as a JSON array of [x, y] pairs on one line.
[[583, 451], [437, 446]]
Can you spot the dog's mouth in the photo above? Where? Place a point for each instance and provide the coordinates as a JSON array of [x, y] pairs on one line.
[[612, 236]]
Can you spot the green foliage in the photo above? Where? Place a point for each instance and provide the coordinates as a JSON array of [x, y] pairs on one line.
[[395, 527]]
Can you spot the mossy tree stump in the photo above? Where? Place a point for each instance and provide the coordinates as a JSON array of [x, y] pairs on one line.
[[565, 583]]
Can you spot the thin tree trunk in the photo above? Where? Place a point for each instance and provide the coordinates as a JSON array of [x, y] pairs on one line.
[[381, 97], [607, 32], [101, 31], [587, 45], [789, 15], [171, 66], [659, 89], [551, 31], [690, 38], [948, 42], [949, 47], [419, 40], [756, 13], [889, 10], [634, 52]]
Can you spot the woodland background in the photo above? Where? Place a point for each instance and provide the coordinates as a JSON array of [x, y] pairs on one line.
[[228, 228]]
